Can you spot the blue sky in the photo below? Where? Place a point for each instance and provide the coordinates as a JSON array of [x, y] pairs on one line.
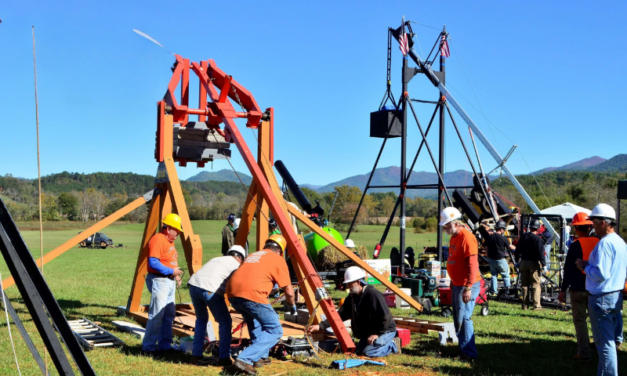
[[547, 76]]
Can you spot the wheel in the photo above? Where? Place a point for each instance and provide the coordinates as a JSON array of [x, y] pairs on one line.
[[103, 245], [446, 312], [485, 310]]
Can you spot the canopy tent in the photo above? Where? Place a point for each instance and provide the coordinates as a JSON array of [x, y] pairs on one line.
[[566, 210]]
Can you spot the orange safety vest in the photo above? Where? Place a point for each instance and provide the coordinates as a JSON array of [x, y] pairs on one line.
[[587, 246]]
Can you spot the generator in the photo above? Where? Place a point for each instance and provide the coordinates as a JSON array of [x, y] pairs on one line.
[[423, 288]]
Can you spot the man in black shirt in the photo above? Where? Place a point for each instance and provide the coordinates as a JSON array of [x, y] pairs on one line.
[[575, 280], [371, 319], [498, 249], [530, 249]]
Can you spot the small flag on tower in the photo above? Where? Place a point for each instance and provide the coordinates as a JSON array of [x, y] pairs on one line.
[[444, 51], [403, 44]]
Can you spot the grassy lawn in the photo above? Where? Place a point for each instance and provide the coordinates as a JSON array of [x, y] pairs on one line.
[[92, 283]]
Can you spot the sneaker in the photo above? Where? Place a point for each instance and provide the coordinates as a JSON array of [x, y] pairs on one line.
[[397, 341], [262, 362], [246, 368], [579, 358]]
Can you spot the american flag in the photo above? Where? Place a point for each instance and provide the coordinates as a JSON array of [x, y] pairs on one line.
[[444, 51], [403, 44]]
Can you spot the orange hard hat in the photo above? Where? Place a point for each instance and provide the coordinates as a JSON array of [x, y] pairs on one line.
[[581, 219]]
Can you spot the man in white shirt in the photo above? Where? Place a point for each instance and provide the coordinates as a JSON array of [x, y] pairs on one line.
[[206, 288]]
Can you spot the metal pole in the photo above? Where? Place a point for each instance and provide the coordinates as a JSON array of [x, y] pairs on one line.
[[441, 156], [403, 164]]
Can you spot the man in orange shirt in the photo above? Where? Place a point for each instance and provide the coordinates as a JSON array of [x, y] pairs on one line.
[[163, 275], [248, 291], [463, 268]]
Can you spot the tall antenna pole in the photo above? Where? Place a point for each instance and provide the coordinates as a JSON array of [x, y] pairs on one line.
[[41, 226], [441, 150], [403, 174]]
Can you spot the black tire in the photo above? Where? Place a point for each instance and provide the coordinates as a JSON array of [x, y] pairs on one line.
[[103, 245], [445, 312], [485, 310]]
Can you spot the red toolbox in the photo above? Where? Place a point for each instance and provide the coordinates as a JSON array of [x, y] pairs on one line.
[[404, 335]]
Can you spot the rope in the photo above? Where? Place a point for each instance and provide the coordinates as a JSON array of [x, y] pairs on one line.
[[41, 226], [461, 63], [242, 183], [534, 178], [6, 313]]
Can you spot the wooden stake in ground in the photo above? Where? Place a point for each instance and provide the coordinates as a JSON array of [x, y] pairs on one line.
[[41, 226]]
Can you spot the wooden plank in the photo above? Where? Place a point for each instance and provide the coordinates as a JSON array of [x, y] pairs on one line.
[[8, 282]]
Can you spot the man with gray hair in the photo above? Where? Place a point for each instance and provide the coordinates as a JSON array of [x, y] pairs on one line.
[[463, 268]]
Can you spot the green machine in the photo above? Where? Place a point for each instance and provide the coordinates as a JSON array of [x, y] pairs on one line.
[[315, 242], [423, 289]]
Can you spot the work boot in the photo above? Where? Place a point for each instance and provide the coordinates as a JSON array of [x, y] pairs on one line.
[[246, 368], [397, 341], [262, 362], [200, 360], [579, 358], [225, 362]]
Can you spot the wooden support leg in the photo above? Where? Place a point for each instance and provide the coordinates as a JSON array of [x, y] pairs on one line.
[[152, 224], [305, 287], [247, 217]]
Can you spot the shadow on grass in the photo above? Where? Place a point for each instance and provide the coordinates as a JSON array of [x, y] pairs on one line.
[[535, 357]]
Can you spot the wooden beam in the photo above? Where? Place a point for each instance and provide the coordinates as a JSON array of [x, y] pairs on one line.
[[152, 224], [263, 151], [8, 282], [326, 236], [247, 217]]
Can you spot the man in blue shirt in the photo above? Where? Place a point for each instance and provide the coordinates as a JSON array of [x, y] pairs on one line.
[[606, 272]]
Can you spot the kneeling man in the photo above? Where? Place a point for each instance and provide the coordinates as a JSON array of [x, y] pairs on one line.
[[371, 319]]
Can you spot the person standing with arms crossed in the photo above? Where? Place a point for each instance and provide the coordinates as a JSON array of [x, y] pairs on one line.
[[575, 281]]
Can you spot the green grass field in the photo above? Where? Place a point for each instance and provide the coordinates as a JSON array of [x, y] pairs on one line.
[[92, 283]]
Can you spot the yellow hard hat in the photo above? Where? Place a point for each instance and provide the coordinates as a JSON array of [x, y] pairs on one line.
[[280, 240], [173, 220]]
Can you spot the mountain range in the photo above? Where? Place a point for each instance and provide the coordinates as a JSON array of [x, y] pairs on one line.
[[222, 175], [391, 176]]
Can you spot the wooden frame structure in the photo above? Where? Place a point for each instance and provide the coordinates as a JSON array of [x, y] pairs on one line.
[[264, 194]]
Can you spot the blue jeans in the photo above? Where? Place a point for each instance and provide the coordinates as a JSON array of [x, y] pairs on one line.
[[462, 312], [161, 313], [499, 267], [202, 300], [264, 328], [382, 346], [604, 312]]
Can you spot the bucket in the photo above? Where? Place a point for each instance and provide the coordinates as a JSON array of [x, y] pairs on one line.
[[187, 344], [400, 303]]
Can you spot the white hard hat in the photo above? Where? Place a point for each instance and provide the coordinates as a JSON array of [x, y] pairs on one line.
[[354, 273], [239, 249], [603, 211], [448, 215], [349, 243], [236, 223]]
